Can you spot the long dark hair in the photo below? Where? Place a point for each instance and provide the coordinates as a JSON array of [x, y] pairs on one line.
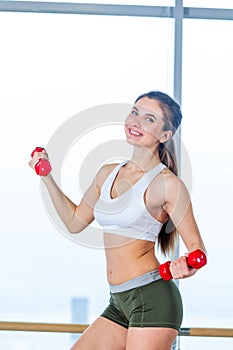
[[167, 153]]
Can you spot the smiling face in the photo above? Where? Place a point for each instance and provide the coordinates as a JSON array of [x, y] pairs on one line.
[[144, 126]]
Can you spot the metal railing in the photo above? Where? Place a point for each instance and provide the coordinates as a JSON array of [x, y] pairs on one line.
[[79, 328]]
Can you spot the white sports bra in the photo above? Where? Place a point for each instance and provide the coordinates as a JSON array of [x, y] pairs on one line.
[[127, 214]]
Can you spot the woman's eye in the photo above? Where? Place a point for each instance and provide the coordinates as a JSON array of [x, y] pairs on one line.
[[134, 112], [150, 119]]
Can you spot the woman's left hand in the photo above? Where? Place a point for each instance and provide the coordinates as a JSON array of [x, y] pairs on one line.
[[180, 269]]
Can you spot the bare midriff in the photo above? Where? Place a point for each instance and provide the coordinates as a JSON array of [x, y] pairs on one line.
[[128, 258]]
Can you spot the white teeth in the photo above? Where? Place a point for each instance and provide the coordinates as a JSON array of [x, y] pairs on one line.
[[134, 132]]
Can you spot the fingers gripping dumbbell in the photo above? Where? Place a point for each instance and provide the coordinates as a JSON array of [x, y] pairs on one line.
[[43, 166], [195, 259]]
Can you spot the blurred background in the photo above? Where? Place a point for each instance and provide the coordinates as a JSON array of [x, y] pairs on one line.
[[55, 64]]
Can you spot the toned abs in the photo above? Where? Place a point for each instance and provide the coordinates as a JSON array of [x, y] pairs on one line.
[[128, 258]]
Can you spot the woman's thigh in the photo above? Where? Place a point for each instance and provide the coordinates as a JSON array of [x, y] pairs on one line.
[[103, 334], [150, 338]]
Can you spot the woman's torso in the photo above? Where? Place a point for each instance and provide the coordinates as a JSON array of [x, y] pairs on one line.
[[128, 257]]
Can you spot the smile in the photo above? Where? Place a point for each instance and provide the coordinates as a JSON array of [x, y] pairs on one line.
[[134, 132]]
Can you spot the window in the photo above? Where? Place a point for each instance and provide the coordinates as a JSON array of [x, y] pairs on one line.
[[55, 66], [52, 67], [206, 133]]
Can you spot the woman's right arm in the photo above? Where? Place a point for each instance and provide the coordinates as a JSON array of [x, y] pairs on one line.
[[75, 217]]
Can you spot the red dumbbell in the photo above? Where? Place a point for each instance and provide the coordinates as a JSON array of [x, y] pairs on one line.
[[195, 259], [42, 167]]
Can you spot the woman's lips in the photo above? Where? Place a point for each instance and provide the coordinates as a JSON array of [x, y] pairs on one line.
[[134, 132]]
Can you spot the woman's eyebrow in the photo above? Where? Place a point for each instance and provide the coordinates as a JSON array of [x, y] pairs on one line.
[[148, 114]]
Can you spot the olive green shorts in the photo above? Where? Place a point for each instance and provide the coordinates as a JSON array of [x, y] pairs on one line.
[[156, 304]]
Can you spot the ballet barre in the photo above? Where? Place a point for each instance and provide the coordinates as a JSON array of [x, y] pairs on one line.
[[80, 328]]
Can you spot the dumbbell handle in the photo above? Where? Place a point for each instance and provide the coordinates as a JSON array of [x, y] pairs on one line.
[[195, 259], [43, 166]]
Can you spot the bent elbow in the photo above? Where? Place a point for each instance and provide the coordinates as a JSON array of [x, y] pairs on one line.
[[76, 226], [74, 229]]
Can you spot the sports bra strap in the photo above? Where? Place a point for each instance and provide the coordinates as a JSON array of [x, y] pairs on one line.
[[143, 182]]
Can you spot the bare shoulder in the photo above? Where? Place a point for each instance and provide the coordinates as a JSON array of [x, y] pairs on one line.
[[103, 173], [173, 182], [175, 188]]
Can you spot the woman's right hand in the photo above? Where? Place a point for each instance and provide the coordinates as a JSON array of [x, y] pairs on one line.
[[40, 162]]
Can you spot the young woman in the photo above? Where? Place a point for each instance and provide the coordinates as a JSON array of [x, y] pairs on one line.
[[139, 203]]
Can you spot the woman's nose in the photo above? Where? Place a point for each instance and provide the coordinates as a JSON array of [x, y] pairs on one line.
[[137, 121]]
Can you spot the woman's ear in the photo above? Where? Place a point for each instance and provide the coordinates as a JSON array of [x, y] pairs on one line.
[[166, 135]]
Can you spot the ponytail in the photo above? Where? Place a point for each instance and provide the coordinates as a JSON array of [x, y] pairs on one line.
[[167, 154], [168, 234]]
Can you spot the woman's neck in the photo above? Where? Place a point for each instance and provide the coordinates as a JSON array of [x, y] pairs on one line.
[[143, 159]]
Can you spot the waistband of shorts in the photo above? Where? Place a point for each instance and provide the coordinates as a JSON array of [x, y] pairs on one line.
[[138, 281]]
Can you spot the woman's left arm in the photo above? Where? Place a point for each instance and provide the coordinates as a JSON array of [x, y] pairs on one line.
[[179, 208]]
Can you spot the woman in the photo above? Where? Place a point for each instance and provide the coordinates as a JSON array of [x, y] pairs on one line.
[[138, 203]]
